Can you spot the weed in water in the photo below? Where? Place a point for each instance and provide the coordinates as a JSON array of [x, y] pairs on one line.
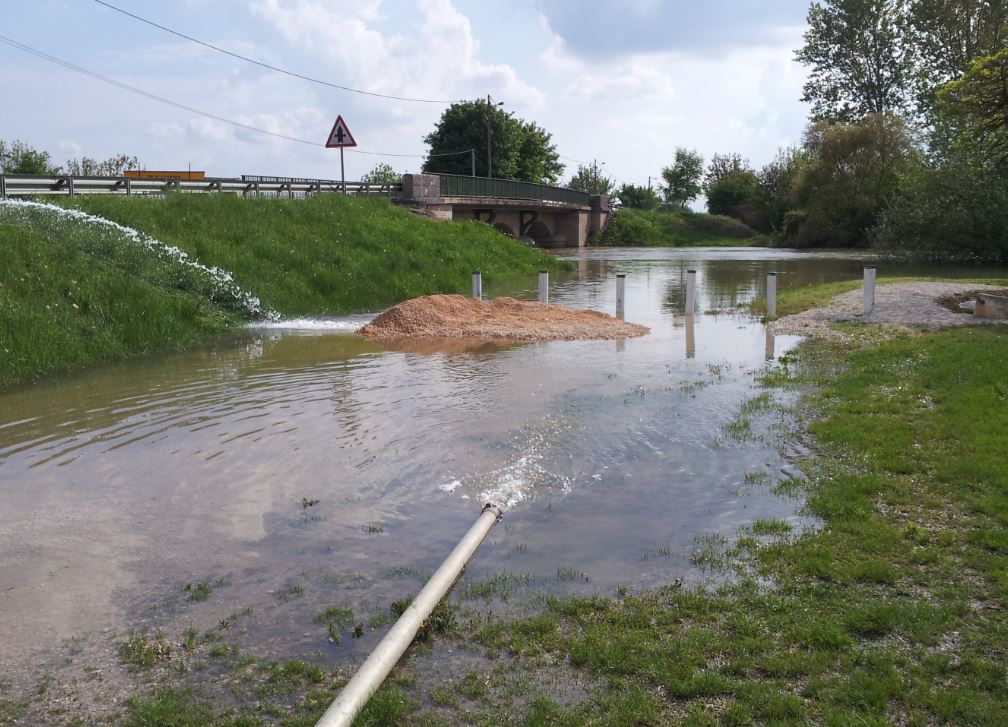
[[198, 591]]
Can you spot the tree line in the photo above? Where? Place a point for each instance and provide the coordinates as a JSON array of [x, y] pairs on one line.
[[907, 145]]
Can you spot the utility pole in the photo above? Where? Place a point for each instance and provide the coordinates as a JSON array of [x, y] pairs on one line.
[[489, 118]]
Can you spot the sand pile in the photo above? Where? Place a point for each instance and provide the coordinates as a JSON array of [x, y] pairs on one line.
[[455, 316]]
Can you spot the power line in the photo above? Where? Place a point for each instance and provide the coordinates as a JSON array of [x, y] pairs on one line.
[[154, 97], [267, 65]]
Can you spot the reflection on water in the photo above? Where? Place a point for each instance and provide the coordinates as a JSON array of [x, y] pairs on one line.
[[121, 484]]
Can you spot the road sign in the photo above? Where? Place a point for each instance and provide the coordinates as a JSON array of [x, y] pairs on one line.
[[340, 135]]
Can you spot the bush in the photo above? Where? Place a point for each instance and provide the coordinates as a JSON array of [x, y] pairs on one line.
[[948, 213], [642, 228]]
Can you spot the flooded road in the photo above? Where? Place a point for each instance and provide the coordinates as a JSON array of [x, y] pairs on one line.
[[298, 466]]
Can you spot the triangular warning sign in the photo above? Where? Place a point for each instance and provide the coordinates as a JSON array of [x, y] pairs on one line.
[[340, 135]]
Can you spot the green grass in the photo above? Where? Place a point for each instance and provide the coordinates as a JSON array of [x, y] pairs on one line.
[[796, 300], [643, 228], [74, 293], [891, 612], [70, 301], [326, 255]]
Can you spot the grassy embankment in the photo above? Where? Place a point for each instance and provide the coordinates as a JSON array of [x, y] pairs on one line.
[[73, 294], [891, 611], [643, 228]]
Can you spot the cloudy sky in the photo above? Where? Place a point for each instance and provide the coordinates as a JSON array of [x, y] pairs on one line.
[[621, 81]]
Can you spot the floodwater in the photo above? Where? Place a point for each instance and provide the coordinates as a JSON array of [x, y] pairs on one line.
[[301, 455]]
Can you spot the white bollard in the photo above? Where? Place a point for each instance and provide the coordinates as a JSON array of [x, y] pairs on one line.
[[768, 350], [690, 291], [771, 295], [543, 286], [620, 291], [869, 290], [477, 285]]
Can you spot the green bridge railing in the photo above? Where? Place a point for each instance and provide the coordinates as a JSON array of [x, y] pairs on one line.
[[456, 185]]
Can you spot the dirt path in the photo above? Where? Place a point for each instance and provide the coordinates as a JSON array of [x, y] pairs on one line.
[[902, 305], [455, 316]]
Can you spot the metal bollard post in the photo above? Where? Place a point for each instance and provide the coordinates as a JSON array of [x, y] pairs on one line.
[[620, 294], [477, 280], [690, 291], [771, 295], [544, 286], [869, 290]]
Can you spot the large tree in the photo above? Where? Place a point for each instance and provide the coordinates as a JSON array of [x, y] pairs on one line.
[[950, 35], [519, 150], [683, 177], [861, 59], [852, 172], [976, 108]]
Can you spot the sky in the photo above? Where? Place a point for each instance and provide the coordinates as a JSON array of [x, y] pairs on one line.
[[623, 82]]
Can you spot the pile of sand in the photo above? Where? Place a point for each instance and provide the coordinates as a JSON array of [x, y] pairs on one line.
[[455, 316]]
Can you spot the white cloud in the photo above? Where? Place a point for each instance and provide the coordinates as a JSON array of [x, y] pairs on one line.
[[439, 61], [646, 104]]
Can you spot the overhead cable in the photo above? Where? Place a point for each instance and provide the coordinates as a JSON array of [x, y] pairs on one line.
[[268, 66], [154, 97]]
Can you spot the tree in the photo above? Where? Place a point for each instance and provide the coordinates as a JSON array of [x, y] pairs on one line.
[[777, 181], [976, 107], [861, 59], [682, 179], [519, 150], [852, 172], [732, 189], [948, 212], [382, 174], [950, 35], [19, 158], [588, 179], [724, 165], [638, 197], [112, 167]]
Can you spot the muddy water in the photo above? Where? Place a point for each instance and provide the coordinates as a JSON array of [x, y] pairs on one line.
[[122, 484]]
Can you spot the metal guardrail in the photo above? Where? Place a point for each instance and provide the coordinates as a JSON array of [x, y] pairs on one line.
[[456, 185], [29, 184]]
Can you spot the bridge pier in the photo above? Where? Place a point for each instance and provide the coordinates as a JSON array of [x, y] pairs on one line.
[[546, 216]]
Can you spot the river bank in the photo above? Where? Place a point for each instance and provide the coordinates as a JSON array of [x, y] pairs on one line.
[[120, 277]]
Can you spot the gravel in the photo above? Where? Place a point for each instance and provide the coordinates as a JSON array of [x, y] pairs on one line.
[[901, 305], [456, 316]]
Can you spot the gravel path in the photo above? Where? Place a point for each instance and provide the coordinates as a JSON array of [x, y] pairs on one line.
[[903, 305]]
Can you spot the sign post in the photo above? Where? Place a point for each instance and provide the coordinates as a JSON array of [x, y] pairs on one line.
[[339, 138]]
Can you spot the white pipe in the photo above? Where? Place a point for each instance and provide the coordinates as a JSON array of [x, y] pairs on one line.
[[771, 295], [372, 672], [690, 292], [869, 290], [544, 286], [477, 281], [620, 295]]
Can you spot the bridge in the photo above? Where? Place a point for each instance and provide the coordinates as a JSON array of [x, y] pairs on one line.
[[536, 213]]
